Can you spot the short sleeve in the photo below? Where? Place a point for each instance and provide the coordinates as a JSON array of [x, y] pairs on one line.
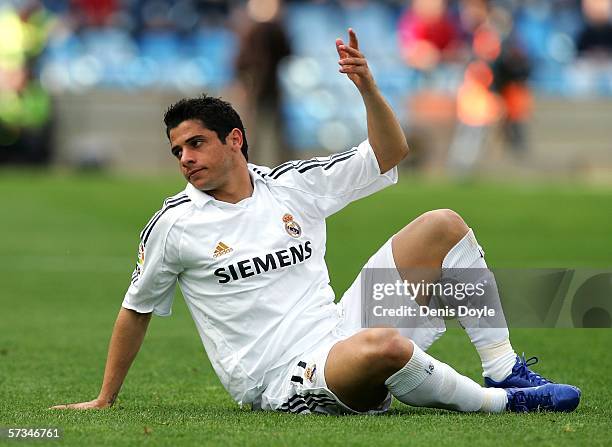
[[155, 276], [333, 182]]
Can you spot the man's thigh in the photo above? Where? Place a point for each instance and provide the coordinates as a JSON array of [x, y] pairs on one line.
[[356, 305]]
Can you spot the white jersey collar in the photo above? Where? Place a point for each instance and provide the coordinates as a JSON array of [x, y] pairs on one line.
[[200, 198]]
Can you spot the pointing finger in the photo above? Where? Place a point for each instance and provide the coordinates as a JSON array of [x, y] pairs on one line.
[[353, 39]]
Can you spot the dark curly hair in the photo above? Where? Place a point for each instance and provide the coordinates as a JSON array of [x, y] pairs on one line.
[[214, 114]]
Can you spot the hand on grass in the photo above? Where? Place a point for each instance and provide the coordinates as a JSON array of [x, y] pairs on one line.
[[91, 405]]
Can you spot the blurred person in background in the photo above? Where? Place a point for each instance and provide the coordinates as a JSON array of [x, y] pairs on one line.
[[595, 39], [430, 44], [25, 107], [428, 34], [494, 89], [263, 45], [95, 13], [477, 107], [592, 71], [511, 71]]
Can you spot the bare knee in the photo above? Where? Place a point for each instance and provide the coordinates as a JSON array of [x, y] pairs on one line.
[[386, 349], [425, 241], [444, 225]]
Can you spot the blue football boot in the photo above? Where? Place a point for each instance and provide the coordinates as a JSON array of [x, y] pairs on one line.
[[520, 377], [549, 397]]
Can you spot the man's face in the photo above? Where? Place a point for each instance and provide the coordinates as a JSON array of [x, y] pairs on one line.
[[205, 161]]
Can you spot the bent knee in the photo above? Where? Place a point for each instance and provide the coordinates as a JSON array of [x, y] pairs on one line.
[[444, 224]]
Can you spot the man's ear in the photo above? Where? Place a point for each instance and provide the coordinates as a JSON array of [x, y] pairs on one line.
[[235, 139]]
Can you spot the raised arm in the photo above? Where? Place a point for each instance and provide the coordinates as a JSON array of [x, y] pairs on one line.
[[128, 334], [384, 131]]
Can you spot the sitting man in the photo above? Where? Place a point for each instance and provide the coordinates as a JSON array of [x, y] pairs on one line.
[[246, 245]]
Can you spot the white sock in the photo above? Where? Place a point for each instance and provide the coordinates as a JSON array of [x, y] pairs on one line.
[[491, 339], [497, 359], [427, 382]]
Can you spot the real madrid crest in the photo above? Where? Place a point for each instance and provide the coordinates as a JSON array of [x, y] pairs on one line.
[[141, 254], [291, 226], [309, 372]]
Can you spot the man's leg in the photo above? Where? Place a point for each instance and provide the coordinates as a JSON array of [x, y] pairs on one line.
[[441, 239], [363, 368]]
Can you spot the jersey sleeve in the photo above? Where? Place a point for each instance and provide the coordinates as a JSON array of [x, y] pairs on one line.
[[154, 278], [333, 182]]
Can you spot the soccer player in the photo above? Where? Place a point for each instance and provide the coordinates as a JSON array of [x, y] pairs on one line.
[[246, 245]]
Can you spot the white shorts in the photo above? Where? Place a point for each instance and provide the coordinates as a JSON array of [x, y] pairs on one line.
[[300, 386]]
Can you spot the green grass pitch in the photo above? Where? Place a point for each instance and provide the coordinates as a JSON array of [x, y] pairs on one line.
[[68, 246]]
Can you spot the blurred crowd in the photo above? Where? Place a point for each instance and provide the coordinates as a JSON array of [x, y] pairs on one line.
[[471, 63]]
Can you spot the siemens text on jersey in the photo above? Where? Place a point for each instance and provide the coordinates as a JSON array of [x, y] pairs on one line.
[[258, 265]]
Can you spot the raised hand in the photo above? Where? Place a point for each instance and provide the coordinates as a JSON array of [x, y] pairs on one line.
[[354, 64]]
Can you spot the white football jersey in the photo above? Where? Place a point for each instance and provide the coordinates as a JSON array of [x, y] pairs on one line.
[[253, 273]]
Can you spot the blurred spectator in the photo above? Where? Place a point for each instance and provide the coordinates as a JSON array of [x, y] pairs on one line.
[[591, 72], [428, 34], [430, 44], [24, 106], [510, 74], [479, 30], [495, 88], [263, 45], [595, 39], [95, 12]]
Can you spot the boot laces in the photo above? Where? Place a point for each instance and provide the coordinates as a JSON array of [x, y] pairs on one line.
[[522, 370]]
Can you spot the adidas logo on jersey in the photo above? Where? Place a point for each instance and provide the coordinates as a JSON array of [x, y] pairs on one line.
[[221, 250]]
